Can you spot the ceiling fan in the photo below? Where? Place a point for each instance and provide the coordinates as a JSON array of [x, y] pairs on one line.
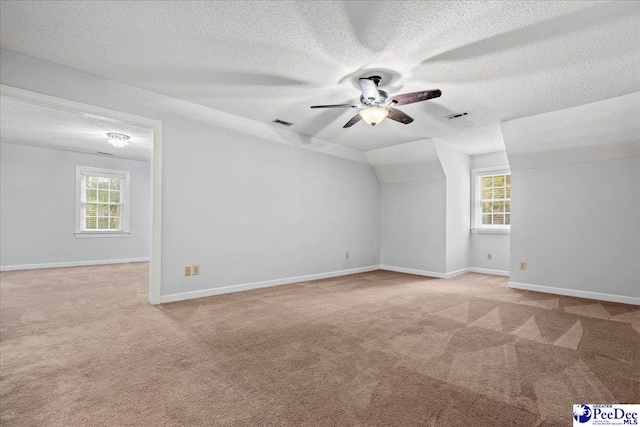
[[375, 104]]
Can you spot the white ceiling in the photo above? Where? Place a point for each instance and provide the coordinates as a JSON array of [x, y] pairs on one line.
[[29, 124], [413, 161], [266, 60], [601, 130]]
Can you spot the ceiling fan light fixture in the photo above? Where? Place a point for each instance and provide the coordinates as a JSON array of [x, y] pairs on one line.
[[374, 115], [118, 140], [375, 104]]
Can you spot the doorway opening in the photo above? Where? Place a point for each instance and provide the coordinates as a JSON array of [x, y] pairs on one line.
[[104, 212]]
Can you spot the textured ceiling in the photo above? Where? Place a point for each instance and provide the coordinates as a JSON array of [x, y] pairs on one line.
[[607, 129], [266, 60], [28, 124], [412, 161]]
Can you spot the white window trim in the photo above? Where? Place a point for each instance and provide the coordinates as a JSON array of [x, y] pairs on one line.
[[475, 173], [85, 234], [491, 230]]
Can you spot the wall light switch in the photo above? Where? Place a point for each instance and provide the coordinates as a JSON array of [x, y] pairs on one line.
[[346, 255], [196, 270], [187, 271], [523, 265]]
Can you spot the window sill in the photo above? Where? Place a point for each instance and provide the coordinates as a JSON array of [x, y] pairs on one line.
[[92, 235], [491, 230]]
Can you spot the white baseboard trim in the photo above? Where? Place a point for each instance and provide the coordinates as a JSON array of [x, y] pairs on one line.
[[424, 272], [71, 264], [576, 293], [277, 282], [453, 274], [413, 271], [490, 271]]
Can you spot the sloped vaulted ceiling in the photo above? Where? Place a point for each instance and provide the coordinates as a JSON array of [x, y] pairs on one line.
[[38, 126], [413, 161], [602, 130], [273, 59]]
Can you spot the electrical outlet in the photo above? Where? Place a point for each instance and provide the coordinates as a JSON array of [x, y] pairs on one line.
[[196, 270], [489, 257], [346, 256], [523, 265], [187, 271]]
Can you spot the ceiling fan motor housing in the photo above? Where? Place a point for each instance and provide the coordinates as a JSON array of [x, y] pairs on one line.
[[375, 79], [375, 104], [371, 102]]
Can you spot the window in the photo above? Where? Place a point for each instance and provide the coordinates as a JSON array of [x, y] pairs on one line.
[[492, 200], [101, 202]]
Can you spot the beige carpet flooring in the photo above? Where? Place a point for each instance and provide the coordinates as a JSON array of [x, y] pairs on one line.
[[82, 347]]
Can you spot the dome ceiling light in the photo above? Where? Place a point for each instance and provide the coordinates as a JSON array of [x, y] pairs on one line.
[[118, 140]]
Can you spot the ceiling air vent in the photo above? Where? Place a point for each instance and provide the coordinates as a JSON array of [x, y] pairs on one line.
[[104, 154], [282, 122], [456, 115]]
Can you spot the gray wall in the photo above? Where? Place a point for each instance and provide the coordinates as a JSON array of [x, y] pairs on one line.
[[246, 201], [38, 201], [456, 165], [249, 210], [413, 225], [425, 223], [498, 245], [578, 226]]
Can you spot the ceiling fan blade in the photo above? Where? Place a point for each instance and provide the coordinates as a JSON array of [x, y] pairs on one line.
[[410, 98], [399, 116], [369, 89], [353, 121], [338, 106]]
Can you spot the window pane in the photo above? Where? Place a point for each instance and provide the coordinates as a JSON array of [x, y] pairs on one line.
[[91, 210], [92, 195], [103, 182], [90, 223], [100, 204], [495, 194]]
